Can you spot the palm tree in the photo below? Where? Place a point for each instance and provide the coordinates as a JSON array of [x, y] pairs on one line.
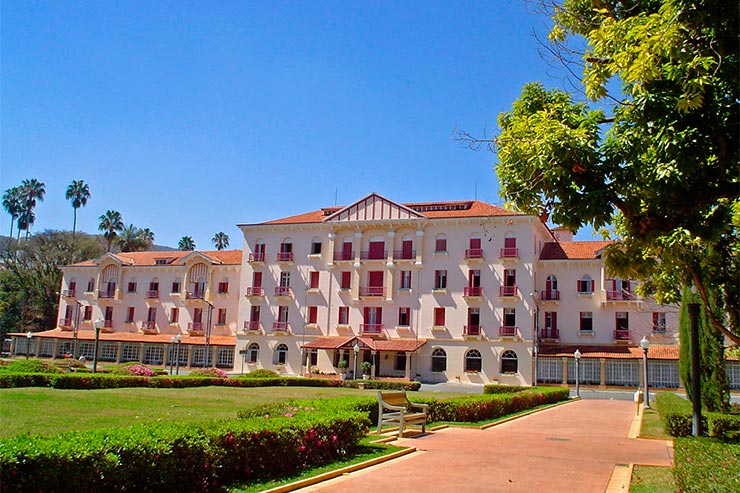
[[130, 239], [31, 190], [12, 205], [110, 224], [220, 240], [186, 243], [78, 192], [147, 235]]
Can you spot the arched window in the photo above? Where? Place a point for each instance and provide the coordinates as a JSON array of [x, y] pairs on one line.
[[439, 360], [473, 360], [585, 285], [509, 362], [253, 352], [281, 354]]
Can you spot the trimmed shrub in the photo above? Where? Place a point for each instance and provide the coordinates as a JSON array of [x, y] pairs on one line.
[[472, 409], [725, 426], [706, 465], [209, 372], [504, 389], [383, 385], [31, 366], [11, 380], [132, 368], [261, 373]]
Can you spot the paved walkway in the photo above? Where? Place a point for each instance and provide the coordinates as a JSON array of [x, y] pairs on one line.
[[571, 448]]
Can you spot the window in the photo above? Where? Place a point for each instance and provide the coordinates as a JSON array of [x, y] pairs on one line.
[[346, 280], [623, 321], [223, 287], [284, 279], [509, 362], [283, 314], [440, 245], [551, 324], [376, 250], [253, 352], [221, 318], [405, 279], [473, 361], [585, 285], [281, 354], [473, 321], [439, 360], [174, 315], [510, 317], [313, 314], [314, 280], [509, 277], [254, 314], [91, 285], [404, 316], [130, 315], [87, 314], [659, 322], [175, 287], [587, 322], [440, 279], [313, 357], [343, 318], [131, 287], [151, 315], [439, 316], [400, 362], [316, 247]]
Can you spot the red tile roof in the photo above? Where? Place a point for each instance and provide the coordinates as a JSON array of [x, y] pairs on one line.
[[400, 345], [572, 250], [229, 257], [613, 352], [89, 335]]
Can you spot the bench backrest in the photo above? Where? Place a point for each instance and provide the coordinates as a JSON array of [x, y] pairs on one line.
[[393, 398]]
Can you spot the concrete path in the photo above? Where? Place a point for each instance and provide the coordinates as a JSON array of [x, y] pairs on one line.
[[570, 448]]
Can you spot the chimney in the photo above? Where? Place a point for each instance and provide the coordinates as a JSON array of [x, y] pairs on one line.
[[563, 234]]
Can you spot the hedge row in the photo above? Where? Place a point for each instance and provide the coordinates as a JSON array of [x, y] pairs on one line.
[[677, 417], [496, 388], [706, 465], [177, 457]]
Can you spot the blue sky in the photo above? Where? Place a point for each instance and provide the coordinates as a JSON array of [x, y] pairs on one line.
[[191, 117]]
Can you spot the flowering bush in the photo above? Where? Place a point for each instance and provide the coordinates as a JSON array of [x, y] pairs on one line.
[[209, 372]]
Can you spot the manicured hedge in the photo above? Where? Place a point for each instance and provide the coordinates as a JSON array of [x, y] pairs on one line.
[[677, 417], [495, 388], [706, 465], [177, 457], [383, 385]]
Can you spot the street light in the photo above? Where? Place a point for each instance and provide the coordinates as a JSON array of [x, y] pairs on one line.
[[172, 354], [177, 354], [577, 356], [645, 344], [357, 352], [29, 336], [98, 324]]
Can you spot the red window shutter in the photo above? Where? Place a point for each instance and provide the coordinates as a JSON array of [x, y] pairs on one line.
[[257, 280], [377, 249], [375, 279], [406, 248], [314, 280], [346, 279], [313, 314], [592, 285], [439, 316], [554, 320], [474, 243], [509, 242], [655, 319]]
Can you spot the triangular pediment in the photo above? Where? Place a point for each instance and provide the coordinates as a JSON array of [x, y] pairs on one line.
[[195, 255], [374, 207], [108, 258]]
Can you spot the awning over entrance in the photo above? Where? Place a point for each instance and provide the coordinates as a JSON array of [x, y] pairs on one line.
[[366, 343]]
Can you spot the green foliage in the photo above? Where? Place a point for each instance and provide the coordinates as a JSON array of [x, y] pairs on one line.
[[676, 414], [30, 366], [209, 372], [366, 366], [261, 373], [706, 465], [504, 389], [383, 385]]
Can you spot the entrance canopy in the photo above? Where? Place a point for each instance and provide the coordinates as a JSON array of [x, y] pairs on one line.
[[366, 344]]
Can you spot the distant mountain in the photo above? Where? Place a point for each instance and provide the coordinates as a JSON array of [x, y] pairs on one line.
[[155, 248]]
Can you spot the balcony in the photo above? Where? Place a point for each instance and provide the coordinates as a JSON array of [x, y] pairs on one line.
[[622, 335], [257, 257], [343, 256], [280, 326], [508, 291], [195, 295], [620, 296], [69, 293], [372, 255], [152, 294], [473, 291], [371, 328], [148, 325], [507, 331], [472, 330], [474, 254], [282, 291], [404, 255], [196, 326], [251, 325], [106, 294], [285, 256], [370, 291], [550, 334], [659, 329], [255, 291], [509, 253], [65, 322], [107, 324], [552, 295]]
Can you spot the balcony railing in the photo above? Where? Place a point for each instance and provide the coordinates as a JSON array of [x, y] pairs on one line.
[[257, 257], [473, 291], [65, 322], [195, 295], [107, 324], [549, 334], [106, 294], [371, 328], [552, 295], [509, 253], [507, 291], [340, 256], [472, 330], [251, 325], [474, 253], [507, 330], [198, 326], [621, 335], [372, 255], [372, 291], [404, 255], [659, 329], [152, 294], [148, 325], [282, 291], [69, 293], [280, 326], [255, 291], [285, 256], [620, 296]]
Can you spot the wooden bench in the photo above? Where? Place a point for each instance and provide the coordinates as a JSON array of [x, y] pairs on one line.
[[395, 409]]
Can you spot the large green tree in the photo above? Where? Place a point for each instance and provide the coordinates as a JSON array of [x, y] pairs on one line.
[[654, 154], [110, 224], [31, 192], [78, 192], [186, 243], [133, 239], [12, 205], [220, 240]]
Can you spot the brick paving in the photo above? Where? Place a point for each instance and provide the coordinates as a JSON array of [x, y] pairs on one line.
[[572, 448]]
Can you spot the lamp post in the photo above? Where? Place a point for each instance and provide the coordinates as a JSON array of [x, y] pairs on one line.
[[29, 336], [177, 354], [645, 344], [696, 424], [172, 354], [357, 352], [98, 325], [577, 356]]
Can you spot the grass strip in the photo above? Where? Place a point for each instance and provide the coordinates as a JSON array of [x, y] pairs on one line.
[[652, 479]]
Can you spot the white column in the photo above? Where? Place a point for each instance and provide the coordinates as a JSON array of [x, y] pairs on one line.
[[419, 246], [330, 247]]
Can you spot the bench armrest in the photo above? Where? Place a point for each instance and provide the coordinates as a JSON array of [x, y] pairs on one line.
[[394, 408], [422, 406]]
